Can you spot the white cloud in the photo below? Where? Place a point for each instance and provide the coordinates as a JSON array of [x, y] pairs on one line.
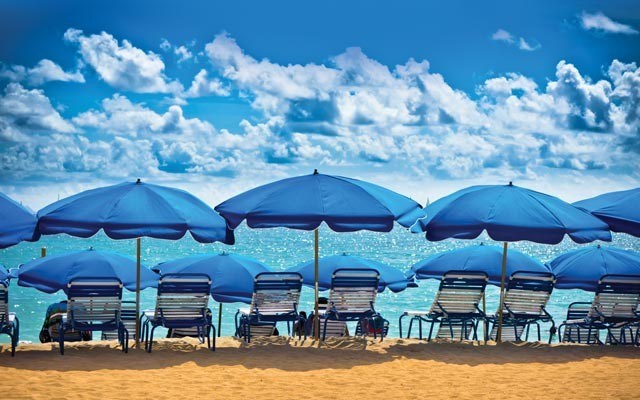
[[183, 54], [203, 85], [122, 66], [521, 43], [352, 115], [44, 71], [503, 36], [524, 45], [600, 22], [25, 111]]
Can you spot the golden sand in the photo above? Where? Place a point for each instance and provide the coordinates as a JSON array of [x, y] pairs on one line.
[[352, 369]]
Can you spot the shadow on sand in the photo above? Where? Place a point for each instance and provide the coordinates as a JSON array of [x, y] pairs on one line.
[[292, 355]]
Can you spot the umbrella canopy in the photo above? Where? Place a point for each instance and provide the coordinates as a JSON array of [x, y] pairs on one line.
[[134, 209], [509, 213], [231, 274], [53, 273], [304, 202], [17, 224], [618, 209], [390, 277], [481, 257], [582, 268]]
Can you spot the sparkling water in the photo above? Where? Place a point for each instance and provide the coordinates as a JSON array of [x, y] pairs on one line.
[[281, 249]]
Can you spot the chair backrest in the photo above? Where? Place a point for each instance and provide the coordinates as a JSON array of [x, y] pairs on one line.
[[4, 302], [528, 292], [94, 301], [617, 296], [182, 297], [354, 290], [276, 293], [460, 292]]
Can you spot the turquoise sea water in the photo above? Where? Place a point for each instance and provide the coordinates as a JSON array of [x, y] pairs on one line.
[[280, 249]]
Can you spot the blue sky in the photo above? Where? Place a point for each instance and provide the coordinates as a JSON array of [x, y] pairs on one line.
[[424, 97]]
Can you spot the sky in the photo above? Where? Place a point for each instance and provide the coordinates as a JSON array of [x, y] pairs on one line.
[[422, 97]]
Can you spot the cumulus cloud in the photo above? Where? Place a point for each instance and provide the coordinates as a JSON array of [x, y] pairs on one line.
[[601, 23], [44, 71], [122, 65], [25, 111], [203, 85], [506, 37], [350, 112], [183, 52]]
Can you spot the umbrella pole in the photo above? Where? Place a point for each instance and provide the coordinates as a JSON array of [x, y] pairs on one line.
[[138, 242], [219, 319], [502, 279], [316, 319], [484, 322]]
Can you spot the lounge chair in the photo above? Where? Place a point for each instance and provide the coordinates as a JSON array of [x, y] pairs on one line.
[[525, 299], [614, 309], [573, 333], [334, 328], [9, 324], [275, 299], [182, 302], [128, 317], [352, 298], [93, 304], [455, 308]]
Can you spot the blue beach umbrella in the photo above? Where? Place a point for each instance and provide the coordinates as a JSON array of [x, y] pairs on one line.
[[231, 276], [132, 210], [582, 268], [509, 213], [390, 277], [17, 224], [305, 202], [52, 273], [481, 257], [621, 210]]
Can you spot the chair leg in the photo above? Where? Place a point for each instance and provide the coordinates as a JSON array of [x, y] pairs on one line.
[[61, 338], [213, 331], [410, 327], [324, 330], [150, 343]]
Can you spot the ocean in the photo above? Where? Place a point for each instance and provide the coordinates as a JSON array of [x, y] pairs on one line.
[[281, 249]]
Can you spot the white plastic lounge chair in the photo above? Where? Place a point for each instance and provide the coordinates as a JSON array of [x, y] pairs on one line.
[[455, 308]]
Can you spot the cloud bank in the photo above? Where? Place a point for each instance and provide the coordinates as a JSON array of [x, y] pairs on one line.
[[353, 114]]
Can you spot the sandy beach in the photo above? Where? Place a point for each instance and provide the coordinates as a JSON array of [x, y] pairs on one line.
[[345, 369]]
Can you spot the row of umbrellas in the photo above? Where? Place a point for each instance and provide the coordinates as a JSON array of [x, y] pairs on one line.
[[232, 275], [134, 210]]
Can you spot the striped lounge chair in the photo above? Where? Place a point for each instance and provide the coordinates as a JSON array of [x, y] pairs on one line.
[[9, 324], [93, 304], [574, 333], [455, 308], [614, 310], [181, 303], [275, 299], [128, 317], [352, 298], [525, 299]]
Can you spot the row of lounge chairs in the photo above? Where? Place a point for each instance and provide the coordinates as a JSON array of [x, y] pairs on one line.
[[96, 304], [615, 310]]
